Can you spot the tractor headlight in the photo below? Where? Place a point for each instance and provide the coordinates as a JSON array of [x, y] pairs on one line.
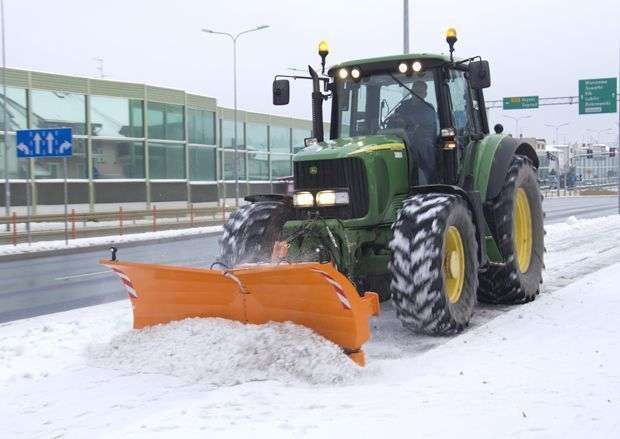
[[416, 66], [343, 73], [403, 67], [355, 73], [332, 198], [303, 199]]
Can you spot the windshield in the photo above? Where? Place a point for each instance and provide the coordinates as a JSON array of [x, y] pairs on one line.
[[386, 101]]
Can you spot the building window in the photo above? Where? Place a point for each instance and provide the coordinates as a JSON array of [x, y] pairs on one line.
[[201, 126], [166, 161], [281, 165], [165, 121], [117, 159], [16, 110], [258, 165], [299, 134], [228, 134], [116, 117], [201, 163], [229, 165], [52, 109], [53, 167], [18, 168], [256, 136], [280, 139]]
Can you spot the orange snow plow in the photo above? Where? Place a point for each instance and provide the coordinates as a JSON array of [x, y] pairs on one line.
[[311, 294]]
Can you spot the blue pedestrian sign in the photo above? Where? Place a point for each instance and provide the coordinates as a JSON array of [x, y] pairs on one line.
[[49, 142]]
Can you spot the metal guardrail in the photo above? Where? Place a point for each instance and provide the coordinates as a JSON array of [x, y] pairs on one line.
[[48, 227]]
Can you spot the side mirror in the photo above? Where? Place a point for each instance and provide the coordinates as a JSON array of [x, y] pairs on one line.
[[479, 75], [281, 92]]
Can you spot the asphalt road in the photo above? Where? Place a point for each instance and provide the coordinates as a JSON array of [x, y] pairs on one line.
[[38, 286], [558, 209], [58, 283]]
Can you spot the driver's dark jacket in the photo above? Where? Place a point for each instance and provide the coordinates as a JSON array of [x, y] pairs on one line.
[[420, 122]]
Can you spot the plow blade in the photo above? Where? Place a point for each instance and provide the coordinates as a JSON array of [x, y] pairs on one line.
[[310, 294]]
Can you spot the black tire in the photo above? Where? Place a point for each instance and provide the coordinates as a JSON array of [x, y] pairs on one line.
[[506, 283], [250, 232], [418, 282]]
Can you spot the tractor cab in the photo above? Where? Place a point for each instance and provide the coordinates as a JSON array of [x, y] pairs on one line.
[[432, 102], [424, 99]]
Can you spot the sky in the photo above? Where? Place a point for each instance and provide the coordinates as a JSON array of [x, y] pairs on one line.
[[535, 47]]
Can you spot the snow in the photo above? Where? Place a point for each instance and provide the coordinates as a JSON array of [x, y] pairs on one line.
[[223, 352], [549, 368], [43, 246]]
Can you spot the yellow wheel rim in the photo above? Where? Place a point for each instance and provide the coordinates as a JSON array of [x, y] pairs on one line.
[[522, 220], [453, 264]]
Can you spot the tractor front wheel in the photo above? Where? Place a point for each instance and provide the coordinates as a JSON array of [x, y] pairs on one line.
[[251, 232], [434, 264]]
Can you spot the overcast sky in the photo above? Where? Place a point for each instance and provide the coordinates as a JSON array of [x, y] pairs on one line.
[[535, 47]]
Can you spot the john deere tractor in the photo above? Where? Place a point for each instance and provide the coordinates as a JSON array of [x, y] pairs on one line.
[[411, 196]]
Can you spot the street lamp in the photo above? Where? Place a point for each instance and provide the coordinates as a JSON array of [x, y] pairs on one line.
[[234, 41], [7, 184], [405, 26], [556, 127], [516, 119]]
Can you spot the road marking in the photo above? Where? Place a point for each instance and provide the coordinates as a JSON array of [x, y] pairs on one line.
[[74, 276]]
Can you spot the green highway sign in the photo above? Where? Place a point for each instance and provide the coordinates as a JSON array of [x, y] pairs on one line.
[[520, 102], [597, 96]]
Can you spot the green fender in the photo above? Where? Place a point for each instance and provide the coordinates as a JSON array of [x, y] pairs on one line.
[[491, 163], [493, 157]]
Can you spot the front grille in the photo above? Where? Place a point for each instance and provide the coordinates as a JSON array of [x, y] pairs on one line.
[[348, 173]]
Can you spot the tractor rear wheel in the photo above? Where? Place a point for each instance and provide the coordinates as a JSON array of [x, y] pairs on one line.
[[250, 232], [515, 218], [434, 264]]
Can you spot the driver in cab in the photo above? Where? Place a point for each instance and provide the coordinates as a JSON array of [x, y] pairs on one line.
[[419, 119]]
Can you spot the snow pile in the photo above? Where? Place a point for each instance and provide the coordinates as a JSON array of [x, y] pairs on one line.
[[42, 246], [223, 352]]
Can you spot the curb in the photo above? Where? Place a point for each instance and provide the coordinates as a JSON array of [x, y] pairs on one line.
[[90, 248]]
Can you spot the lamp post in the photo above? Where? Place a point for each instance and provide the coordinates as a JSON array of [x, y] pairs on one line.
[[7, 187], [516, 119], [557, 128], [405, 26], [234, 41]]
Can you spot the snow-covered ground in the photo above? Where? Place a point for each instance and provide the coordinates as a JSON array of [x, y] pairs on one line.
[[550, 368], [43, 246]]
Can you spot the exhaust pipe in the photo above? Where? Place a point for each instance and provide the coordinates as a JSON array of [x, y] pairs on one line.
[[317, 106]]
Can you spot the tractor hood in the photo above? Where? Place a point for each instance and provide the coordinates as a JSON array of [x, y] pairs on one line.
[[350, 147]]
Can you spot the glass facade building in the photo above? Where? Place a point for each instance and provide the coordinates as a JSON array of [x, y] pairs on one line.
[[140, 143]]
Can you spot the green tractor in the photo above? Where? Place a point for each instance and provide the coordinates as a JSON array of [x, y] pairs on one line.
[[411, 196]]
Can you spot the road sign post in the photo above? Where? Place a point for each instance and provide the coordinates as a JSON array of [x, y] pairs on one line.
[[45, 143], [66, 196], [520, 102], [28, 202]]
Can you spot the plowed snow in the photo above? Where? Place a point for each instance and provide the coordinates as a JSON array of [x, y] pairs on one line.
[[223, 352]]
